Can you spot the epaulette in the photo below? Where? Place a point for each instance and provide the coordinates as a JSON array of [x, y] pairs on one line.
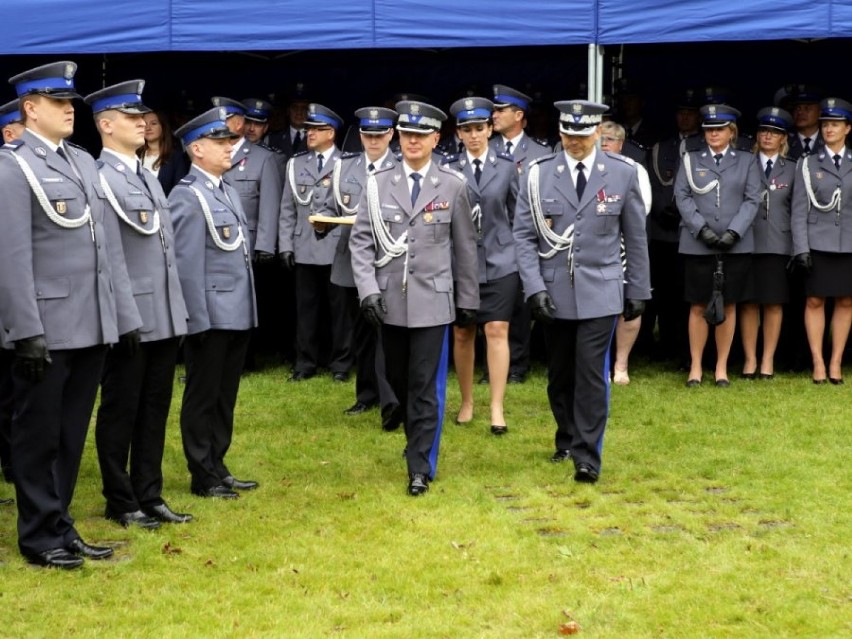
[[14, 144], [540, 142], [453, 157], [187, 179], [264, 145], [348, 155], [300, 153], [77, 146], [505, 156], [453, 172], [618, 156], [543, 158], [382, 169], [99, 164], [398, 156]]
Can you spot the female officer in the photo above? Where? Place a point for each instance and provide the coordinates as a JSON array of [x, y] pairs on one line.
[[822, 236], [493, 188], [717, 193], [772, 243]]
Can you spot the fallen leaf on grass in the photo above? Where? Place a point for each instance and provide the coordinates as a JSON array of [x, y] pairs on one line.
[[459, 546], [565, 551], [569, 628], [210, 563], [168, 549], [347, 496]]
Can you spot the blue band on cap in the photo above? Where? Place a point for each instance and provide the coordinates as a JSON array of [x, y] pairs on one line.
[[836, 112], [725, 117], [257, 113], [387, 123], [194, 134], [323, 118], [114, 101], [233, 110], [43, 84], [771, 119], [470, 114], [8, 118], [510, 99]]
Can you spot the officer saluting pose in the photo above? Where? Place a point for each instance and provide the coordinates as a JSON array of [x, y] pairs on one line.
[[415, 266], [136, 390], [64, 295], [573, 209], [214, 263]]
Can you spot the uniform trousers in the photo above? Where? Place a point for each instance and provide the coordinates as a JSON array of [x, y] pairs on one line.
[[371, 384], [578, 384], [6, 394], [520, 327], [213, 368], [136, 393], [313, 287], [416, 366], [49, 428]]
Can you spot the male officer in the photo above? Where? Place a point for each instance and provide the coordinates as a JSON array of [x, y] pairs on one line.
[[348, 183], [136, 388], [306, 187], [292, 139], [257, 113], [64, 295], [214, 264], [509, 117], [414, 261], [806, 139], [574, 208]]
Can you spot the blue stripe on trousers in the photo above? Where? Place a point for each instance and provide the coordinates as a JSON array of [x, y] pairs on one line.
[[607, 370], [441, 396]]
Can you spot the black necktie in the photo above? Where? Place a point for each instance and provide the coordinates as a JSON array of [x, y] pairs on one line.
[[415, 190], [477, 171], [806, 149], [836, 160], [509, 147], [319, 163], [581, 180], [61, 153], [297, 141], [371, 167], [768, 168], [718, 157]]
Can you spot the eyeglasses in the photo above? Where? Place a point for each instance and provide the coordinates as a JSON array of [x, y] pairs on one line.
[[611, 139]]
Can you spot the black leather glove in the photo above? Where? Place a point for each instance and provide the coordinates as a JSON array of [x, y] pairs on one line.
[[542, 307], [727, 241], [633, 309], [374, 309], [708, 236], [287, 260], [465, 317], [802, 263], [128, 344], [31, 357], [262, 257]]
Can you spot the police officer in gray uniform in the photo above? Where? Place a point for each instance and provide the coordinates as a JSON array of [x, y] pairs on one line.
[[306, 187], [574, 208], [136, 389], [414, 261], [348, 183], [510, 116], [214, 263], [64, 295]]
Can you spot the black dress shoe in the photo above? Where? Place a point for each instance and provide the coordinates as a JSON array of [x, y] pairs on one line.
[[517, 378], [484, 379], [499, 430], [837, 381], [340, 377], [722, 383], [239, 484], [300, 376], [585, 474], [765, 375], [748, 375], [357, 408], [692, 383], [133, 518], [82, 549], [391, 418], [55, 558], [820, 381], [219, 491], [418, 484], [560, 455], [161, 512]]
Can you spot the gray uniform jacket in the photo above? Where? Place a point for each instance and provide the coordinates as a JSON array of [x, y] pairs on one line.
[[739, 193], [353, 183], [218, 285], [771, 227], [442, 270], [150, 258], [496, 195], [295, 233], [527, 150], [68, 284], [663, 164], [256, 175], [815, 230], [612, 206]]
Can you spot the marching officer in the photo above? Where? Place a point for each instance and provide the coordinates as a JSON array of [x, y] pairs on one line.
[[574, 209], [64, 295], [307, 183], [349, 181], [214, 262], [136, 388], [415, 266]]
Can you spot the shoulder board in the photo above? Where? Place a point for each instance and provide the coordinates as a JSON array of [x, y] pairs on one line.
[[398, 156], [264, 145], [187, 179], [505, 156], [622, 158], [300, 153], [76, 146], [453, 157], [543, 158], [453, 172], [348, 155], [540, 142], [99, 164], [14, 144], [382, 169]]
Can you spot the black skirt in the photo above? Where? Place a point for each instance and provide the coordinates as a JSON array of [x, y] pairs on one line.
[[497, 298], [769, 278], [698, 276], [831, 275]]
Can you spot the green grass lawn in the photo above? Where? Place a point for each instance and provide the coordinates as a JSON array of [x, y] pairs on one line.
[[719, 513]]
